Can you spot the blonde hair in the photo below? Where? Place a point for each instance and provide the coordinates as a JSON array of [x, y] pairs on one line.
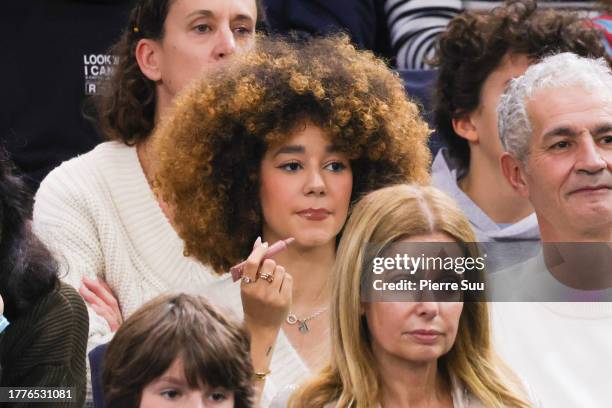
[[383, 217]]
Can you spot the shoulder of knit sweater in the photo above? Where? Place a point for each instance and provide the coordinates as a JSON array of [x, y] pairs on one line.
[[79, 179], [103, 155]]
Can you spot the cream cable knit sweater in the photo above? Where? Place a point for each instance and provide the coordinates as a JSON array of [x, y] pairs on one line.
[[98, 215]]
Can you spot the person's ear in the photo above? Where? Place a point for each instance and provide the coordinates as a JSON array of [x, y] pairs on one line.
[[514, 172], [465, 127], [148, 55]]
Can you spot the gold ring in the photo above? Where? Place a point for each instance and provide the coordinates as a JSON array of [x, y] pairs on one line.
[[267, 277]]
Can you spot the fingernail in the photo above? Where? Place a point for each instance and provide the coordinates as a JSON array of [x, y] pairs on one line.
[[265, 245], [257, 242]]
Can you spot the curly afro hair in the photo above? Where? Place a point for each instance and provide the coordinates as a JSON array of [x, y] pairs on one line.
[[475, 43], [211, 147]]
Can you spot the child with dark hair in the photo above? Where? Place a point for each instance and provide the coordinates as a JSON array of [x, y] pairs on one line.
[[178, 350], [45, 343]]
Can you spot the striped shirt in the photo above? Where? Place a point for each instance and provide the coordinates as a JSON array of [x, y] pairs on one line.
[[414, 25]]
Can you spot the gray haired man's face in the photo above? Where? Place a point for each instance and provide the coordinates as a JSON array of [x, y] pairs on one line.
[[568, 171]]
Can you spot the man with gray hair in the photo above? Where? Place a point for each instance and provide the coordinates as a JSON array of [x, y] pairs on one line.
[[555, 123], [477, 56]]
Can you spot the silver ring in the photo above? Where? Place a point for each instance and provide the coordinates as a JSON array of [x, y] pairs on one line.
[[246, 279]]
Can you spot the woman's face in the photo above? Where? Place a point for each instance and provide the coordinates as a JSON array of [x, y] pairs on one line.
[[172, 390], [200, 34], [418, 332], [305, 188]]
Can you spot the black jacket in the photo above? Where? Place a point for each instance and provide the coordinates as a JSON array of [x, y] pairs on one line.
[[53, 57], [363, 20]]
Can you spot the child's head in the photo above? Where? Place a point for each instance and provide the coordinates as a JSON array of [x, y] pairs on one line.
[[174, 350]]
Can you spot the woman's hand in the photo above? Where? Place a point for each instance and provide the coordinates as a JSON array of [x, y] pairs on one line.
[[101, 299], [265, 291], [266, 297]]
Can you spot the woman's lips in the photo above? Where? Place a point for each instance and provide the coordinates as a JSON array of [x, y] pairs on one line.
[[425, 336], [314, 214]]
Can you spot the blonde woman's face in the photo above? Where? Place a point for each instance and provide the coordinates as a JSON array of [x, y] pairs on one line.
[[417, 332], [305, 189], [171, 390]]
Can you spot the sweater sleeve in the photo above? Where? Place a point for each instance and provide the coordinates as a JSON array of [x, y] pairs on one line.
[[68, 219], [414, 27], [49, 346]]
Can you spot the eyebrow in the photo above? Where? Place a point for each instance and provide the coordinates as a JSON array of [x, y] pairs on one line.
[[202, 13], [210, 14], [571, 132], [605, 128], [299, 149], [242, 18], [560, 131], [173, 380]]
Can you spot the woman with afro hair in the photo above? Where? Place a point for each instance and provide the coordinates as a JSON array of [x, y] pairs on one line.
[[279, 145]]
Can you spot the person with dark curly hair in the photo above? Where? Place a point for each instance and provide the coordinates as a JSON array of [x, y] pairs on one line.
[[178, 350], [97, 212], [277, 147], [44, 344], [477, 56]]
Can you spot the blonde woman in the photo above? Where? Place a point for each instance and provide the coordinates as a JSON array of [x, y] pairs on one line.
[[407, 354]]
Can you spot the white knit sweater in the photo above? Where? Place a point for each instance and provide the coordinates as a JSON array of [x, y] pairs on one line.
[[98, 215]]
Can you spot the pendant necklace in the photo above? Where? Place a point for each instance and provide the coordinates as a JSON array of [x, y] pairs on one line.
[[303, 323]]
